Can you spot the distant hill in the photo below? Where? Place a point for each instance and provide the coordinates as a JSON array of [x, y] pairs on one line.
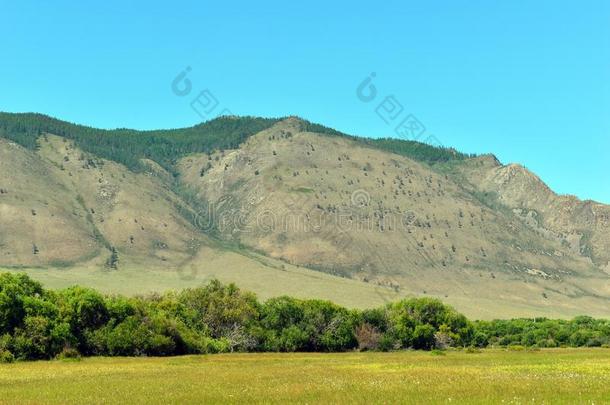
[[285, 205]]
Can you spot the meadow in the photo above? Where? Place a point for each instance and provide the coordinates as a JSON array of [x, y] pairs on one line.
[[489, 376]]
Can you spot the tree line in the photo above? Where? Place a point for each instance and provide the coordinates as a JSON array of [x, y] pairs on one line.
[[166, 147], [128, 146], [37, 323]]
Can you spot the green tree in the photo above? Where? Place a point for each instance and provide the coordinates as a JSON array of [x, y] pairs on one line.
[[423, 337]]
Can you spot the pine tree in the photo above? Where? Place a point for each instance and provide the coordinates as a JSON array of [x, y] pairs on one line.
[[113, 260]]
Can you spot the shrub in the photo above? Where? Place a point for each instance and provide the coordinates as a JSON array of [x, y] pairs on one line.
[[217, 308], [480, 339], [6, 356], [14, 288], [444, 338], [339, 334], [84, 310], [217, 318], [281, 312], [134, 336], [68, 353], [33, 340], [388, 342], [423, 337], [377, 318], [368, 337], [293, 339]]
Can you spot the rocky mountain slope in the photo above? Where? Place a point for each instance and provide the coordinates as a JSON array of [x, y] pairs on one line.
[[470, 230]]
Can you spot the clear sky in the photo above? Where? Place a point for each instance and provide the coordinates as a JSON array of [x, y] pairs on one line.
[[526, 80]]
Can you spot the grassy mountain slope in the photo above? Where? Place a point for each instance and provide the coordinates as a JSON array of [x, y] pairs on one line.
[[41, 221], [74, 207], [338, 206], [287, 206]]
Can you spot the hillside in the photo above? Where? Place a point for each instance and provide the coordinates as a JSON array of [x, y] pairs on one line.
[[284, 205]]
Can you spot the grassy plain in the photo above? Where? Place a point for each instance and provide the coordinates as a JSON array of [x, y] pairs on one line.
[[492, 376]]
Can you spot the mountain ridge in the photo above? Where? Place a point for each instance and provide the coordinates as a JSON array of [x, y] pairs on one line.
[[277, 194], [24, 128], [314, 127]]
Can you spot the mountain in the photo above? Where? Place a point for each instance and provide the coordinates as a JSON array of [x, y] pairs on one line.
[[285, 206]]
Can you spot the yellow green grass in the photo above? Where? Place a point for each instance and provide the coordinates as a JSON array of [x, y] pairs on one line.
[[492, 376]]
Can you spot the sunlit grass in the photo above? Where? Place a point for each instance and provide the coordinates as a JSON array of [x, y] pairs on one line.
[[546, 376]]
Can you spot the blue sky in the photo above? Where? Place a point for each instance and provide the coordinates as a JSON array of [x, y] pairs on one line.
[[526, 80]]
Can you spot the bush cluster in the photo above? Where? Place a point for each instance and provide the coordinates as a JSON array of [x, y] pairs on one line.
[[542, 332], [36, 323]]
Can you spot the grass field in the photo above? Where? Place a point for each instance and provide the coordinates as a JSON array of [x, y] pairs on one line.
[[492, 376]]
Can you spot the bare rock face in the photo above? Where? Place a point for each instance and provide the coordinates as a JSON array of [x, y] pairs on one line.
[[583, 225]]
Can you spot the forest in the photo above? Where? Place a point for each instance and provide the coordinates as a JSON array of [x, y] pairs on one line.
[[38, 323], [128, 146]]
